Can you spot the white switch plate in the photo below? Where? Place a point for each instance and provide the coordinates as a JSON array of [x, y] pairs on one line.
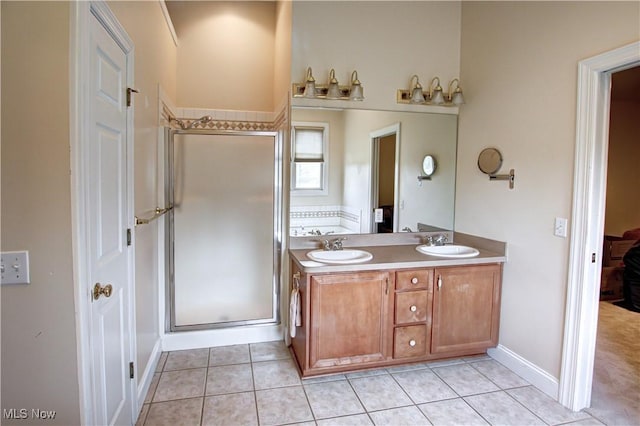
[[560, 227], [14, 267], [377, 215]]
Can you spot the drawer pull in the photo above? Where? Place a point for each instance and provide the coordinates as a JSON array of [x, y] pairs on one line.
[[412, 343], [413, 308], [414, 280]]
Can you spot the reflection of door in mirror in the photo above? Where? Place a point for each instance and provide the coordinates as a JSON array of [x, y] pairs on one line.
[[384, 144]]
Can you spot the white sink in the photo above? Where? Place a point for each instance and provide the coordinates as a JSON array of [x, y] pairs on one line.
[[344, 256], [449, 250]]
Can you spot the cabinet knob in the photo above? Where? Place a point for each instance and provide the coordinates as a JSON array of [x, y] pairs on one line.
[[413, 308], [412, 342], [414, 280]]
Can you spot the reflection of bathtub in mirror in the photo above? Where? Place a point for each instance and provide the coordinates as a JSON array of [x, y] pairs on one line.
[[309, 220], [305, 231]]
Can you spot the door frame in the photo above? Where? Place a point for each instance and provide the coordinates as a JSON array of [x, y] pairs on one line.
[[79, 130], [375, 137], [590, 180]]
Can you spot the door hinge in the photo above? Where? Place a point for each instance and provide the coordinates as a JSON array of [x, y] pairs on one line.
[[131, 370], [129, 91], [128, 236], [593, 258]]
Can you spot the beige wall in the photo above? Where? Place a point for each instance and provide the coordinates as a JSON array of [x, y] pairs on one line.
[[155, 58], [226, 54], [386, 42], [623, 173], [282, 55], [39, 363], [519, 64]]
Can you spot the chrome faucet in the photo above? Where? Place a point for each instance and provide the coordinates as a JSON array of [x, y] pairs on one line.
[[335, 244], [436, 240]]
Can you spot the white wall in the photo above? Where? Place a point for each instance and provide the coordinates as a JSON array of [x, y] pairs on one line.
[[39, 362], [623, 174], [519, 64], [386, 42]]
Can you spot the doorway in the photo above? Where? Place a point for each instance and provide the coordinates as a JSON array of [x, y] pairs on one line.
[[385, 152], [594, 90]]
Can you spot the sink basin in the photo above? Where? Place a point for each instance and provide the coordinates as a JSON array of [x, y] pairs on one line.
[[449, 250], [344, 256]]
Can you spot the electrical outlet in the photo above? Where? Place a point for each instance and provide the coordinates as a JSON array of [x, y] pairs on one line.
[[14, 267], [560, 227]]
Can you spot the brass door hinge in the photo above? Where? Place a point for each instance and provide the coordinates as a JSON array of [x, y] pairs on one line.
[[129, 91]]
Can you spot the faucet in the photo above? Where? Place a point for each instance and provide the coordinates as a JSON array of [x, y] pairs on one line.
[[333, 245], [436, 240], [406, 229]]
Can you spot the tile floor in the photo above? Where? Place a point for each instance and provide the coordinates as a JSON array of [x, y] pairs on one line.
[[258, 384]]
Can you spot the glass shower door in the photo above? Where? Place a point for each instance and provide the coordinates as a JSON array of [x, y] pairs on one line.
[[225, 230]]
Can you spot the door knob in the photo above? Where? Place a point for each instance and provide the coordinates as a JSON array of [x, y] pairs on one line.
[[413, 308], [99, 290], [412, 342]]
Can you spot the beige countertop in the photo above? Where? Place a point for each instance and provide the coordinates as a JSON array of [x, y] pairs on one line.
[[402, 256]]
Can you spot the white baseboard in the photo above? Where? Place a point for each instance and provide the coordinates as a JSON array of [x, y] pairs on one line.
[[223, 337], [525, 369], [144, 381]]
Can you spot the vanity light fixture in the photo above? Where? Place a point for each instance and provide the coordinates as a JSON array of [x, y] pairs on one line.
[[434, 95], [333, 90]]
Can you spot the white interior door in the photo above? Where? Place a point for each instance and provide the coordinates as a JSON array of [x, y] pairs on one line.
[[110, 260]]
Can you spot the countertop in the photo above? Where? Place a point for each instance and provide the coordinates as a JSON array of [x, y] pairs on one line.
[[403, 256]]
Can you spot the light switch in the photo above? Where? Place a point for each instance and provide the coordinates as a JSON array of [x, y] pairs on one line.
[[14, 267], [377, 213], [560, 227]]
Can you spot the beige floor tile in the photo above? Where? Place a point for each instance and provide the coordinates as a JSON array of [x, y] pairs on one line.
[[142, 416], [275, 374], [452, 412], [269, 351], [229, 379], [356, 420], [464, 379], [283, 406], [499, 374], [192, 358], [225, 355], [333, 399], [152, 388], [161, 361], [380, 393], [424, 386], [180, 384], [185, 412], [544, 407], [232, 409], [399, 416], [498, 408]]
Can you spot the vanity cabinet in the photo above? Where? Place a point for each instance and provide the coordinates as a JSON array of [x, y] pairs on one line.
[[466, 309], [349, 319], [368, 319]]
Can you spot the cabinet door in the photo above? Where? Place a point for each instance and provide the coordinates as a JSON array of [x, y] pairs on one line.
[[466, 309], [349, 319]]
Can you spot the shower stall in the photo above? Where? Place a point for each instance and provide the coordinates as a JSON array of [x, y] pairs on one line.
[[224, 229]]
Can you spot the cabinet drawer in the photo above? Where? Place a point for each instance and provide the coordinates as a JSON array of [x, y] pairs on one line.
[[410, 341], [414, 279], [411, 306]]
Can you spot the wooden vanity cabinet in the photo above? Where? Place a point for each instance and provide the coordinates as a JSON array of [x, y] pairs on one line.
[[412, 317], [466, 309], [349, 319], [370, 319]]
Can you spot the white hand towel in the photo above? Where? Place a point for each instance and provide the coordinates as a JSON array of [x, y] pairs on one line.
[[294, 312]]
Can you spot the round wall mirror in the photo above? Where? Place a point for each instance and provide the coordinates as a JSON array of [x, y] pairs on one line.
[[490, 161], [428, 165]]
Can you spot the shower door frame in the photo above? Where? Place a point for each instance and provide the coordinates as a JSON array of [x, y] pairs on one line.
[[169, 181]]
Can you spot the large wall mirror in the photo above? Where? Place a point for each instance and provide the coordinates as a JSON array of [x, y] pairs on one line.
[[361, 171]]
